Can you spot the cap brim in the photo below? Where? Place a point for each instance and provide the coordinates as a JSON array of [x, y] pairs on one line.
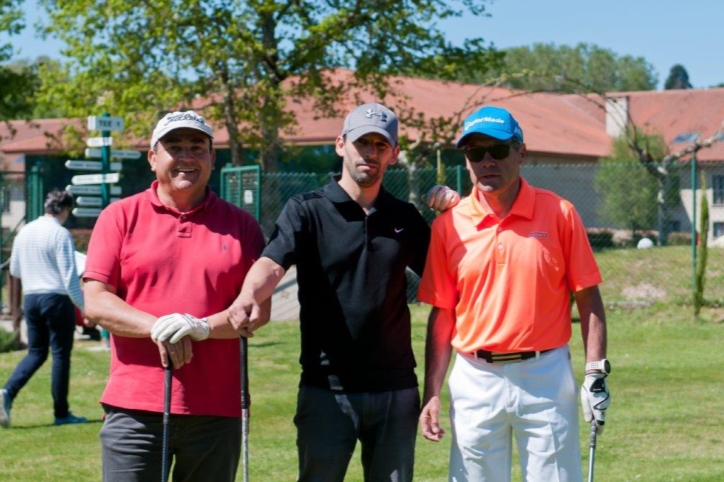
[[355, 134], [495, 134]]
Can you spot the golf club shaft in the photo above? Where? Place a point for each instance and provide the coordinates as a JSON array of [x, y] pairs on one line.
[[243, 345], [166, 416], [592, 450]]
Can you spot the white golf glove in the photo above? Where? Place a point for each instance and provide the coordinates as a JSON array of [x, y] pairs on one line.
[[176, 326], [595, 399]]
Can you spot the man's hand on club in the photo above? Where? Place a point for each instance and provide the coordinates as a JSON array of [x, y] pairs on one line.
[[595, 399], [178, 353], [173, 327], [441, 198], [430, 420], [244, 315]]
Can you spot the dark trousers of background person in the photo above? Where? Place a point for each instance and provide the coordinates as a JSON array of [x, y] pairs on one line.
[[329, 424], [51, 325]]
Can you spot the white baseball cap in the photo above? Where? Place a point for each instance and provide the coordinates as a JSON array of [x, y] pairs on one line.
[[179, 120]]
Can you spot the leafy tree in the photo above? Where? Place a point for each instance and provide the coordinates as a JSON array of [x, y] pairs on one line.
[[678, 78], [565, 69], [629, 192], [239, 61], [18, 81]]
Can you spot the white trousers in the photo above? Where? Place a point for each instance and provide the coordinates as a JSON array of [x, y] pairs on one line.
[[535, 400]]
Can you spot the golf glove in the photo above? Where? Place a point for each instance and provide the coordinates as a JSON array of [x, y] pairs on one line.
[[176, 326], [595, 399]]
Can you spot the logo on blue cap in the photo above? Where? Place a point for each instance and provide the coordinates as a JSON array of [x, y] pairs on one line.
[[494, 122]]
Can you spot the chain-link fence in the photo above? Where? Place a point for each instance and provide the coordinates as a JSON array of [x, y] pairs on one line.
[[618, 203]]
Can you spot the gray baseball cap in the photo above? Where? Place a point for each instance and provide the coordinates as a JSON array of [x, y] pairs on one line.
[[368, 118], [178, 120]]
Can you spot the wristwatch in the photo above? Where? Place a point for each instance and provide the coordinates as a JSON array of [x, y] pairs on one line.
[[601, 365]]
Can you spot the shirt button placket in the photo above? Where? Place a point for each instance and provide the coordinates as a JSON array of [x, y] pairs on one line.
[[499, 246]]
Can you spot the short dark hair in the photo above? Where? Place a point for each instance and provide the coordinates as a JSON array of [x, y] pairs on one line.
[[57, 200]]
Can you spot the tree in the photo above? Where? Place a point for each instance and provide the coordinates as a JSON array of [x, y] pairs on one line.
[[18, 81], [239, 61], [551, 68], [678, 78], [629, 192]]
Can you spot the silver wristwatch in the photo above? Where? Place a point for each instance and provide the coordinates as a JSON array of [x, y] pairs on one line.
[[601, 365]]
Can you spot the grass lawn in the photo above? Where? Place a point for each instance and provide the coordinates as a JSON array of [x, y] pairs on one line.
[[665, 422]]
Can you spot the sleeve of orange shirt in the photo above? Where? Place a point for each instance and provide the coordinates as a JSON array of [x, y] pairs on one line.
[[438, 286], [582, 269]]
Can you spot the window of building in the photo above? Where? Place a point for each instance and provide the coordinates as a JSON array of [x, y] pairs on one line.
[[718, 188], [718, 229]]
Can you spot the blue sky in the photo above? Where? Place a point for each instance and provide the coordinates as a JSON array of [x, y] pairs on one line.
[[664, 32]]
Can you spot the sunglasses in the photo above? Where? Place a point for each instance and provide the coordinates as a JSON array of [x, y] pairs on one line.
[[497, 152]]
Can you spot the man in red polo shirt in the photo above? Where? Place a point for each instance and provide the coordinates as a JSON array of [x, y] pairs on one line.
[[499, 271], [162, 268]]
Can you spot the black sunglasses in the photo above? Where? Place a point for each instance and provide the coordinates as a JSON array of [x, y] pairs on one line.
[[497, 152]]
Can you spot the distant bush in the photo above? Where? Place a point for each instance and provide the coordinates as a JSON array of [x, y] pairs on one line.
[[679, 238], [81, 238], [600, 238], [7, 341]]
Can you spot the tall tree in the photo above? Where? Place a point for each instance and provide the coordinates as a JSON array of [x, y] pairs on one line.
[[565, 69], [242, 60], [18, 81], [678, 78], [628, 192]]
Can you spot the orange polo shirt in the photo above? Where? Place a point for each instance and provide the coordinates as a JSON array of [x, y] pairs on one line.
[[508, 279]]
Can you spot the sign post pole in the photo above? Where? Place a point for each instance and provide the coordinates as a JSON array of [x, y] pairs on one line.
[[105, 164]]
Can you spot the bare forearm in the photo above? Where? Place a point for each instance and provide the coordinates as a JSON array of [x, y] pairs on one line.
[[437, 350], [593, 323], [261, 280], [105, 308]]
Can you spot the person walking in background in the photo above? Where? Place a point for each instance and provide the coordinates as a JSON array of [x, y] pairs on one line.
[[162, 268], [499, 272], [43, 259], [352, 242]]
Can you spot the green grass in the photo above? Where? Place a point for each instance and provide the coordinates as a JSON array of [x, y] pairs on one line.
[[665, 422]]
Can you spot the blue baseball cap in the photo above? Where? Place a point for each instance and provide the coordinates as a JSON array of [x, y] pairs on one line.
[[491, 121]]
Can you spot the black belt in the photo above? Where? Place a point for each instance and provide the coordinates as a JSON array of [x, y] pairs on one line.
[[493, 357]]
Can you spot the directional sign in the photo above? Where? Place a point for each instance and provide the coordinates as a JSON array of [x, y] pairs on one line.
[[109, 178], [97, 123], [92, 201], [91, 165], [86, 212], [99, 141], [91, 190], [96, 154]]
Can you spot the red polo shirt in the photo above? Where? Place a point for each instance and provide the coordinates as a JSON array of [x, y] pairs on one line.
[[509, 279], [161, 261]]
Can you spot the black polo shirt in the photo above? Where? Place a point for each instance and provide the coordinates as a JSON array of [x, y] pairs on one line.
[[355, 323]]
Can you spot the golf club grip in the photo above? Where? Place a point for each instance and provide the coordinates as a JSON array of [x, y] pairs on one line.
[[244, 373], [168, 380], [592, 438]]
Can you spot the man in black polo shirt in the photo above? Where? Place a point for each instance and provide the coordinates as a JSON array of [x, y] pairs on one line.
[[351, 242]]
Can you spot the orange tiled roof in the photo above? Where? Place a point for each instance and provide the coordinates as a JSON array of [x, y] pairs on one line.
[[553, 124]]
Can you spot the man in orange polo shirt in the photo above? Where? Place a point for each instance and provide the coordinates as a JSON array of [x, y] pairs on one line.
[[499, 271]]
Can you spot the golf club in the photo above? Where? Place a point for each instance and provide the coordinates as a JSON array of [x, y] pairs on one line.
[[244, 408], [166, 416], [591, 450]]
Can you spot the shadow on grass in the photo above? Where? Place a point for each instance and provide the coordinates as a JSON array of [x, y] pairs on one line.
[[45, 425]]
